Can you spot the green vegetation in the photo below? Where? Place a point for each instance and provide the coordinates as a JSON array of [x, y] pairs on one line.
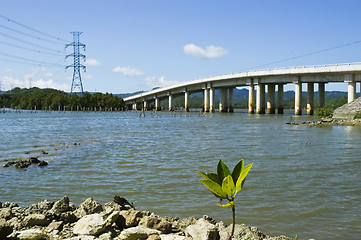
[[324, 112], [51, 99], [226, 185]]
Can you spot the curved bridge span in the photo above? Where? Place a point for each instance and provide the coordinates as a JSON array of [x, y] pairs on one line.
[[349, 73]]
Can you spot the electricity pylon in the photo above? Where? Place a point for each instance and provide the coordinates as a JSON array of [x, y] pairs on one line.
[[76, 82]]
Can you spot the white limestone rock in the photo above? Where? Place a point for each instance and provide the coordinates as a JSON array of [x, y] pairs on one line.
[[137, 233]]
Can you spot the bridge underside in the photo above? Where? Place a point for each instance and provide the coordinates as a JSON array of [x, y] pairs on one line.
[[257, 101]]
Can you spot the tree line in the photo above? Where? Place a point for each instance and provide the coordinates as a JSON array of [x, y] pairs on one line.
[[52, 99]]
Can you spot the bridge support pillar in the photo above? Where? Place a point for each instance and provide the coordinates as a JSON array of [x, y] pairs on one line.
[[170, 104], [271, 99], [211, 100], [186, 100], [134, 106], [230, 104], [223, 100], [280, 99], [321, 94], [298, 97], [351, 96], [251, 98], [145, 105], [260, 101], [206, 100], [157, 104], [310, 98]]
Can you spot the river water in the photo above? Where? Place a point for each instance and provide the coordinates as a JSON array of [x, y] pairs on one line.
[[305, 181]]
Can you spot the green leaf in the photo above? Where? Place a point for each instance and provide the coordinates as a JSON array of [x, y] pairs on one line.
[[222, 170], [215, 188], [213, 177], [229, 205], [228, 185], [203, 174], [243, 176], [237, 170]]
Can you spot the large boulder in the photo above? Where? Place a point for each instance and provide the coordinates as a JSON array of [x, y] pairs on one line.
[[41, 207], [130, 218], [6, 213], [5, 229], [137, 233], [159, 223], [60, 207], [92, 224], [31, 234], [349, 111], [35, 219], [203, 230], [89, 206]]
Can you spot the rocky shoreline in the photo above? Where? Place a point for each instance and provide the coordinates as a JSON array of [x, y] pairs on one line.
[[115, 220], [331, 122]]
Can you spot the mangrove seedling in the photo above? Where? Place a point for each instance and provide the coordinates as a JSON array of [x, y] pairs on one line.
[[225, 185]]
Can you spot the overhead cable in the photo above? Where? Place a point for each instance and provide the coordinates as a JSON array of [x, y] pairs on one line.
[[32, 29]]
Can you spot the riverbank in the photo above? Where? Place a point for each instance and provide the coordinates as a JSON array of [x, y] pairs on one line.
[[113, 220], [331, 122]]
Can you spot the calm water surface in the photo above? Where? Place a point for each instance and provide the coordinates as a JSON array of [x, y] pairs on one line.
[[305, 181]]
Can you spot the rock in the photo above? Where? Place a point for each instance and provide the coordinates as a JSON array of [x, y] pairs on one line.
[[171, 237], [60, 206], [68, 217], [203, 230], [22, 164], [154, 237], [31, 234], [35, 219], [137, 233], [34, 160], [5, 229], [43, 163], [123, 202], [131, 218], [159, 223], [92, 224], [89, 206], [348, 111], [55, 225], [6, 213], [81, 238], [109, 207], [41, 207]]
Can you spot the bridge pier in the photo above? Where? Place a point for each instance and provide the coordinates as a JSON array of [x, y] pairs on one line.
[[230, 103], [206, 100], [157, 104], [350, 79], [280, 99], [186, 100], [310, 98], [271, 99], [223, 100], [298, 97], [251, 98], [321, 94], [170, 104], [211, 100], [145, 105], [260, 100]]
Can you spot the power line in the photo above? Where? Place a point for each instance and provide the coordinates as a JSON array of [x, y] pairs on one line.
[[32, 29], [26, 42], [30, 61], [305, 55], [28, 49], [29, 35]]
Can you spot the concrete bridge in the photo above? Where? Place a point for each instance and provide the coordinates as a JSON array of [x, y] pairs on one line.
[[349, 73]]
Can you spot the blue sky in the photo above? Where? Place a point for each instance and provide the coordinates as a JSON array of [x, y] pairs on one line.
[[140, 44]]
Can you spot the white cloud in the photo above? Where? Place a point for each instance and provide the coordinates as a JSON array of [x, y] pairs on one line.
[[92, 62], [159, 82], [10, 83], [209, 52], [87, 76], [128, 71]]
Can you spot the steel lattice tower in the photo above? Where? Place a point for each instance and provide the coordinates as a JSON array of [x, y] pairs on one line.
[[76, 82]]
